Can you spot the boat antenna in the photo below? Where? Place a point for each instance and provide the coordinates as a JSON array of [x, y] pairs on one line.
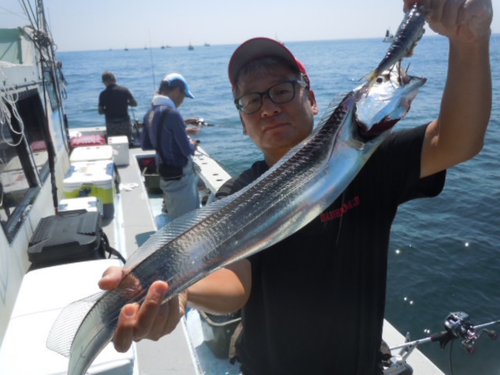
[[152, 64], [31, 16]]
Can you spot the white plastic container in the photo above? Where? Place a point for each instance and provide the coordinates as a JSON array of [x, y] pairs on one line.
[[92, 153], [120, 149], [86, 203], [92, 179]]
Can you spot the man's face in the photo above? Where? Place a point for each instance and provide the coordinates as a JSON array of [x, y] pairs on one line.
[[177, 96], [276, 128]]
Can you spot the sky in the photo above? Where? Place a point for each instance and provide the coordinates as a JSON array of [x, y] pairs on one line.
[[104, 24]]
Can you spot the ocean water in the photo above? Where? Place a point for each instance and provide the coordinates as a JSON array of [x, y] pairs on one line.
[[444, 252]]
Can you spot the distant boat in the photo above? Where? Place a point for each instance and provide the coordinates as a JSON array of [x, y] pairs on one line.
[[126, 49], [190, 47], [162, 47], [206, 44], [389, 38]]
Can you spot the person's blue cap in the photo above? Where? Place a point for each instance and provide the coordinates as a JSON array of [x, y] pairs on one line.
[[176, 80]]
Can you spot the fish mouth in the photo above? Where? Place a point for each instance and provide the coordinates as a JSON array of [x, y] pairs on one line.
[[388, 107], [363, 134], [361, 131]]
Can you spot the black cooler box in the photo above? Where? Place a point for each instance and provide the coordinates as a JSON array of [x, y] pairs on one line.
[[69, 236]]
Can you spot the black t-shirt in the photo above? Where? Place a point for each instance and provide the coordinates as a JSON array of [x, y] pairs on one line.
[[317, 299], [115, 99]]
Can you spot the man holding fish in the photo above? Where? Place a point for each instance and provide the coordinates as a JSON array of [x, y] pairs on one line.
[[314, 302]]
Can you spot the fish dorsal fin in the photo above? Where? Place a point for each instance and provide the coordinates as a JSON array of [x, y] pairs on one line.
[[174, 229], [67, 323], [330, 109]]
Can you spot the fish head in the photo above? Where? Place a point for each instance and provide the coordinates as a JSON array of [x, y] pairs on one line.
[[385, 100]]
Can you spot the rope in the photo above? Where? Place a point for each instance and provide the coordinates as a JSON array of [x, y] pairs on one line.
[[9, 97]]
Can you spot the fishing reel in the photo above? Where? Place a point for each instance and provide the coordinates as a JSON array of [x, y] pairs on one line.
[[201, 122], [459, 325]]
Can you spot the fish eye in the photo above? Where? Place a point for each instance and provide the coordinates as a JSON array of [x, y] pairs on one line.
[[380, 80]]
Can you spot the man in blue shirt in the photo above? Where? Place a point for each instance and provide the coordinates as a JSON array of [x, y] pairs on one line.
[[165, 131]]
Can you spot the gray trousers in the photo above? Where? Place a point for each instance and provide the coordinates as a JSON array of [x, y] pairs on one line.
[[114, 128], [181, 196]]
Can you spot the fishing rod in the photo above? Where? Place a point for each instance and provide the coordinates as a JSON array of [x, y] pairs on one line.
[[457, 325], [135, 126], [133, 114], [201, 122]]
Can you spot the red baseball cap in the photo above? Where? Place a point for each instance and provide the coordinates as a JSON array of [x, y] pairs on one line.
[[256, 48]]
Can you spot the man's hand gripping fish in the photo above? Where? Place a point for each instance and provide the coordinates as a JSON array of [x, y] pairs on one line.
[[287, 197]]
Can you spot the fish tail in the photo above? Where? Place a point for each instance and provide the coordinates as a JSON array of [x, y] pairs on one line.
[[409, 33], [89, 341], [66, 326]]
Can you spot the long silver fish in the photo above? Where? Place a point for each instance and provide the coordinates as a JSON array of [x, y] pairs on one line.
[[287, 197], [409, 32]]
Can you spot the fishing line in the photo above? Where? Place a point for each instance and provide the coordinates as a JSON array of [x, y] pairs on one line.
[[451, 358], [13, 13]]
